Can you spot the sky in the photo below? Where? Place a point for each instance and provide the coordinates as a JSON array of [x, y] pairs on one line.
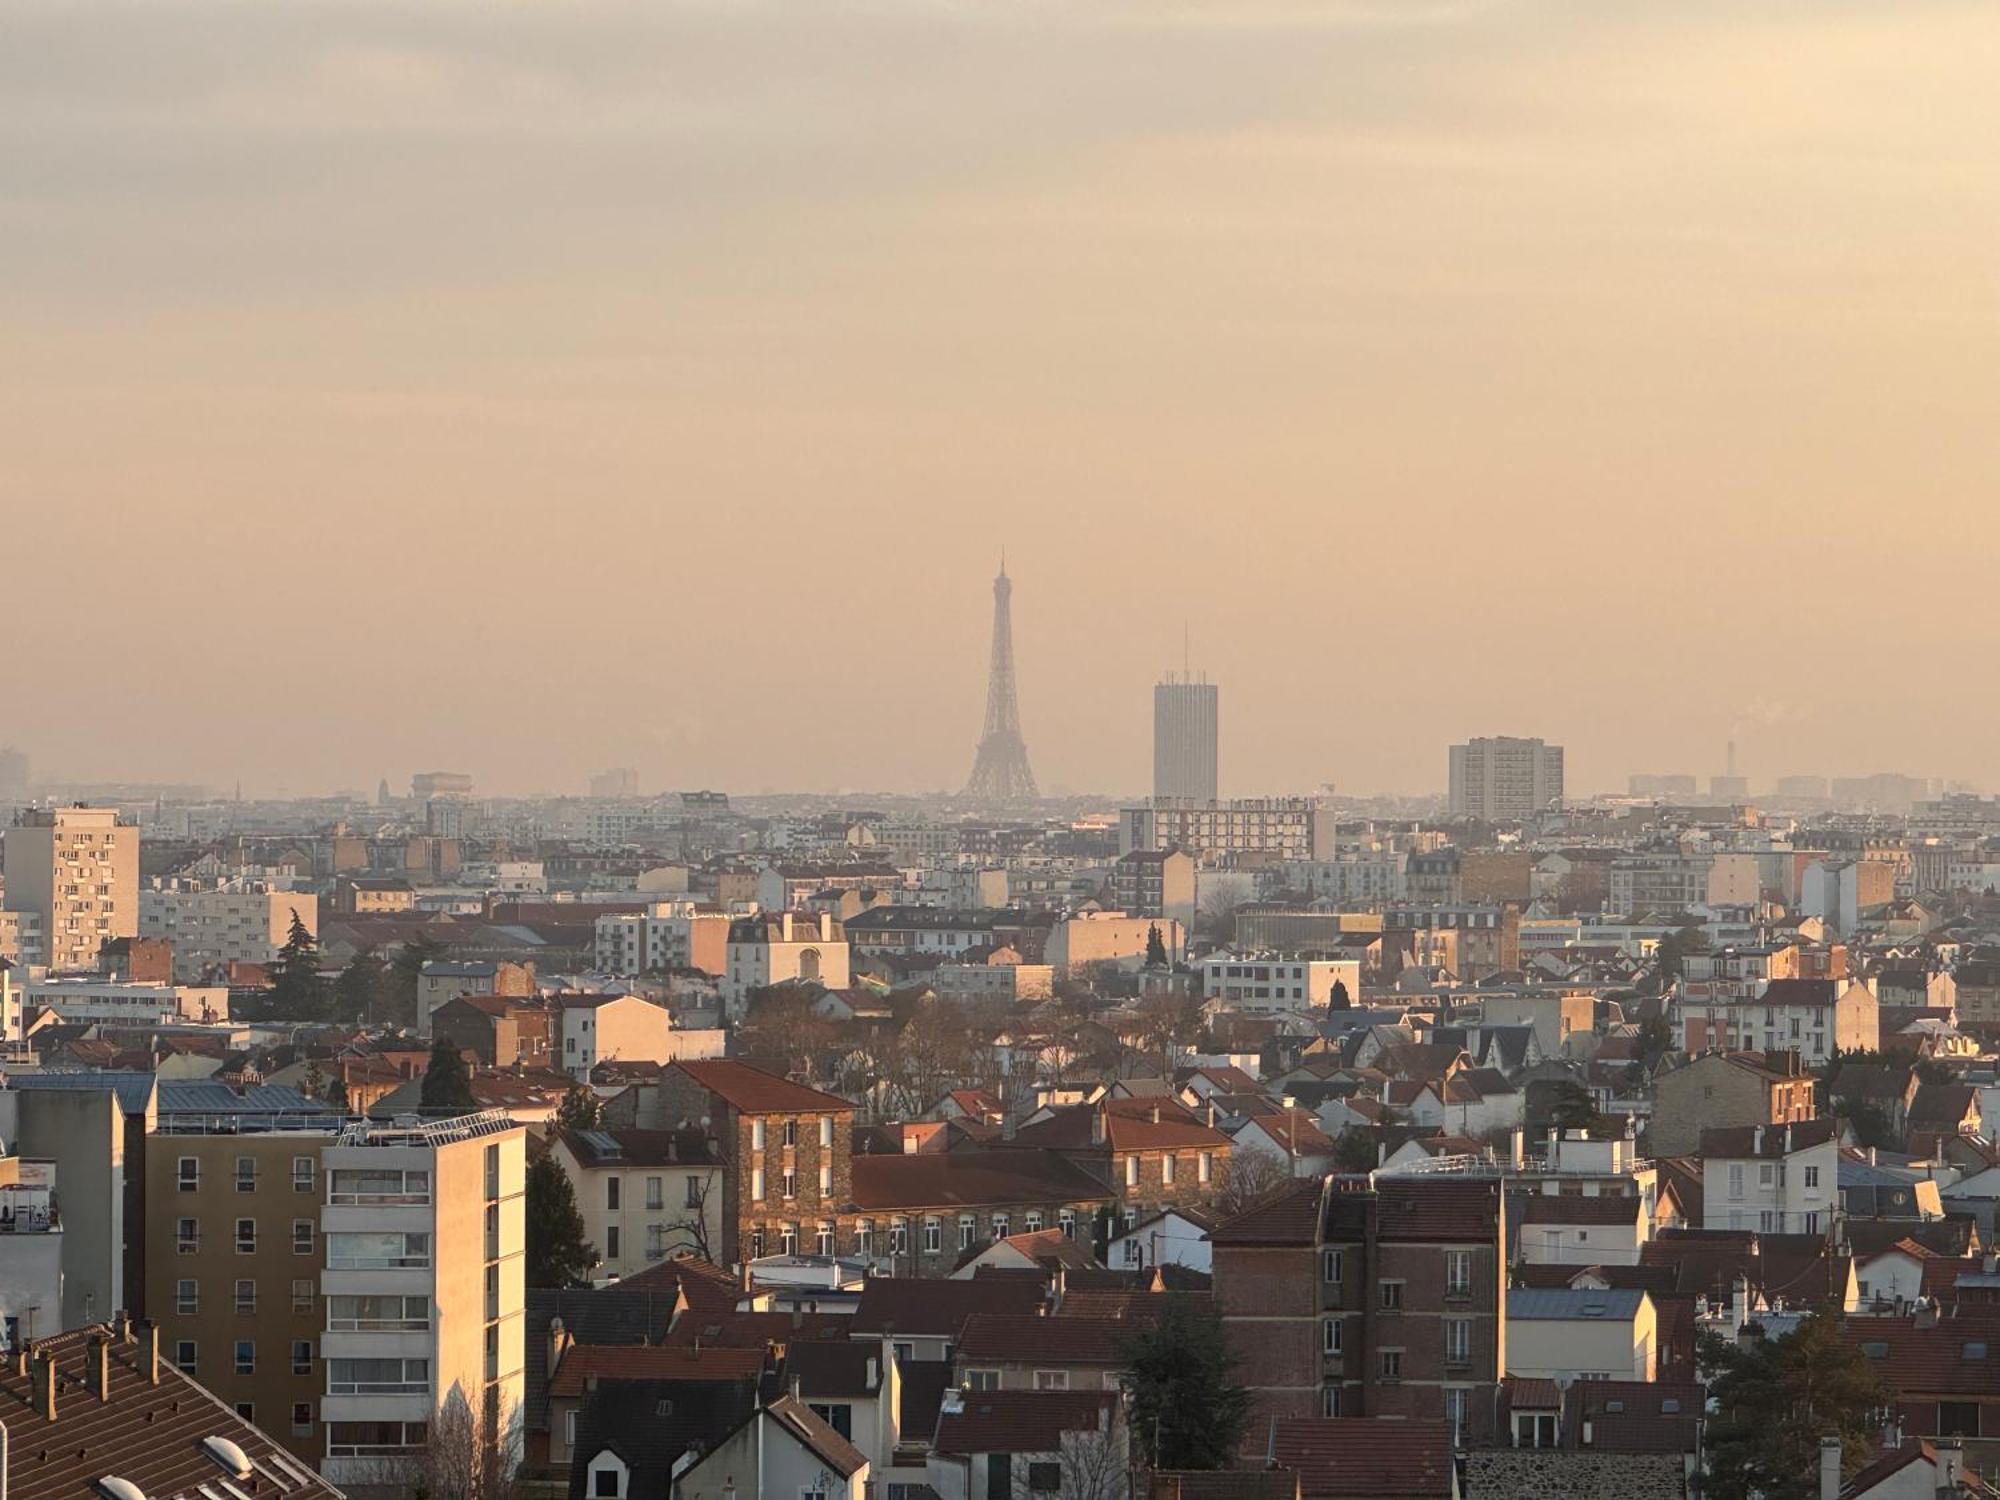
[[528, 388]]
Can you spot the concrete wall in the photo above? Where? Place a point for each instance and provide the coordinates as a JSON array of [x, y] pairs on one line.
[[83, 1132]]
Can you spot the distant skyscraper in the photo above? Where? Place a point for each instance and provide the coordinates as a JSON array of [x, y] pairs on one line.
[[1505, 780], [77, 870], [13, 776], [1184, 740], [1000, 770]]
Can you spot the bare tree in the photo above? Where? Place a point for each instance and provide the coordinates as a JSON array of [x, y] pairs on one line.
[[690, 1231], [465, 1457], [1249, 1176], [1170, 1023], [1093, 1465]]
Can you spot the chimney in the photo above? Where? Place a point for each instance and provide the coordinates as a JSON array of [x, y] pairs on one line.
[[673, 1149], [1156, 1114], [1517, 1148], [1756, 1140], [1926, 1313], [1739, 1303], [44, 1374], [121, 1326], [149, 1350], [97, 1360], [1097, 1125], [1209, 1112], [1871, 1156], [1829, 1468]]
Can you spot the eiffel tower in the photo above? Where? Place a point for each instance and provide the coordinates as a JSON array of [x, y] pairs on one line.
[[1000, 770]]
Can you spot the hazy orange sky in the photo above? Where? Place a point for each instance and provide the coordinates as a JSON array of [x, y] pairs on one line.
[[528, 388]]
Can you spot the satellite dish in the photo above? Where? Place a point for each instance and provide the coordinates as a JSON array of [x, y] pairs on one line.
[[1564, 1379]]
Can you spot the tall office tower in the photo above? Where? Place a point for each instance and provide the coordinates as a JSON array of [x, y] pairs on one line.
[[1505, 780], [77, 870], [13, 776], [1184, 739], [1000, 768]]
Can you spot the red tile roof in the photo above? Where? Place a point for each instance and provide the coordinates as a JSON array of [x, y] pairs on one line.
[[1021, 1421], [997, 1177], [753, 1330], [1148, 1124], [652, 1362], [754, 1091], [929, 1308], [1568, 1208], [1289, 1216], [1364, 1457], [1003, 1338]]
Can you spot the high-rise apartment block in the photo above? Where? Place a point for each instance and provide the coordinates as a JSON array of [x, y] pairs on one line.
[[1505, 780], [1184, 740], [339, 1283], [77, 870]]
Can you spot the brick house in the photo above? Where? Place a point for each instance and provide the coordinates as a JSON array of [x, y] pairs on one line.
[[921, 1214], [785, 1148], [1351, 1301], [1151, 1153], [1718, 1089]]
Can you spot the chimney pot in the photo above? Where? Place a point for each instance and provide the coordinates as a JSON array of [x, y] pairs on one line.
[[149, 1350]]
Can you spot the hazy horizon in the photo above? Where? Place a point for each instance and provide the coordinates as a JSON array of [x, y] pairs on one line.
[[528, 390]]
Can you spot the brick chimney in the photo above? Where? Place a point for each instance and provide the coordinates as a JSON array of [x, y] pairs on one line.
[[149, 1351], [97, 1360], [43, 1372]]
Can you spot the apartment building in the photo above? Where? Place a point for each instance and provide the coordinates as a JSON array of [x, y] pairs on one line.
[[441, 981], [1277, 981], [668, 935], [781, 949], [1275, 828], [1670, 883], [1151, 1153], [1185, 740], [107, 1002], [1504, 779], [1155, 883], [1351, 1300], [1775, 1179], [1718, 1089], [786, 1151], [338, 1283], [609, 1028], [210, 929], [1811, 1017], [76, 869], [644, 1194]]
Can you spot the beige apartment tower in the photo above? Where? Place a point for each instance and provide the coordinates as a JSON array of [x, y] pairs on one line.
[[77, 870], [1505, 780]]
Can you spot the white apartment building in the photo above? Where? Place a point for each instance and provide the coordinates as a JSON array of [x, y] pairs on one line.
[[424, 1285], [1680, 882], [1283, 827], [1775, 1179], [1375, 877], [215, 927], [1504, 779], [77, 870], [781, 949], [644, 1194], [1276, 982], [116, 1003], [608, 1028], [668, 935], [1809, 1016]]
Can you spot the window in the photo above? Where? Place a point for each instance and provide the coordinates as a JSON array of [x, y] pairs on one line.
[[694, 1195], [371, 1186], [1205, 1167], [1812, 1177], [1958, 1419], [756, 1135], [899, 1237], [1000, 1226], [1329, 1401], [1131, 1171], [378, 1377], [246, 1356], [864, 1238], [1330, 1337], [1457, 1341], [302, 1357], [1736, 1179], [303, 1294], [611, 1194], [1044, 1477], [377, 1250], [1031, 1221], [1051, 1380], [791, 1132], [302, 1236], [187, 1297], [656, 1193], [1331, 1263], [377, 1312], [604, 1484], [825, 1182], [968, 1230], [933, 1236], [611, 1242], [247, 1410], [246, 1296], [1454, 1411], [1392, 1364], [246, 1236], [246, 1174], [1066, 1221], [302, 1174], [823, 1240], [187, 1235], [982, 1380], [757, 1243], [190, 1173], [1458, 1272], [1134, 1253], [1167, 1171], [838, 1415], [1767, 1174], [184, 1356], [1392, 1295], [788, 1239], [826, 1143], [1534, 1429], [789, 1184], [757, 1184], [302, 1418]]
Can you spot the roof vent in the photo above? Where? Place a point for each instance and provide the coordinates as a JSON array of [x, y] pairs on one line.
[[111, 1487], [226, 1456]]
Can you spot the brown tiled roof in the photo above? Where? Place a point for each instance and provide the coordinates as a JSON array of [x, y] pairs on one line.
[[707, 1286], [1893, 1461], [1359, 1456], [640, 1148], [929, 1308], [1016, 1339], [150, 1434], [1134, 1304], [1743, 1141], [811, 1429], [1943, 1105], [829, 1369], [1937, 1361], [1289, 1216], [1435, 1210], [1021, 1421], [1147, 1124], [997, 1177], [754, 1091], [1297, 1131], [753, 1330], [652, 1362]]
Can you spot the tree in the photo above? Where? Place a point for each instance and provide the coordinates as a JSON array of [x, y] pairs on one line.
[[558, 1254], [397, 1001], [1570, 1107], [359, 991], [1251, 1174], [298, 992], [1354, 1150], [447, 1082], [1170, 1022], [460, 1460], [1187, 1410], [1156, 948], [1776, 1399], [1093, 1465], [580, 1109], [1656, 1040], [1340, 999], [692, 1226]]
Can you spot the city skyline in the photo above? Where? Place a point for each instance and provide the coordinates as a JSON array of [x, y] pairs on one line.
[[1551, 346]]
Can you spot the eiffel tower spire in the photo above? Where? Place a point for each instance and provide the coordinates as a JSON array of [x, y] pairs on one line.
[[1000, 770]]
